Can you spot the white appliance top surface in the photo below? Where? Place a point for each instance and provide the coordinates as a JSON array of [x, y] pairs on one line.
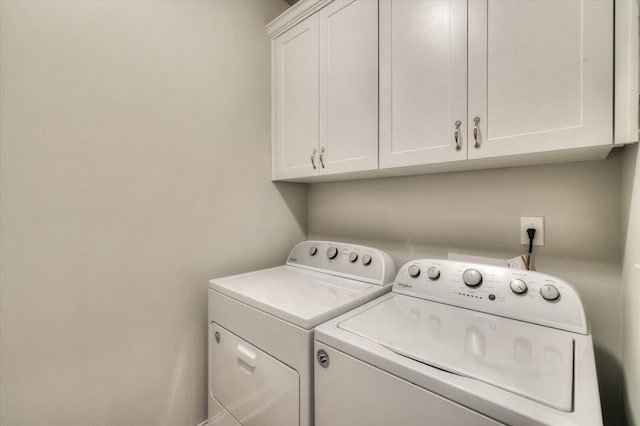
[[300, 296], [529, 360]]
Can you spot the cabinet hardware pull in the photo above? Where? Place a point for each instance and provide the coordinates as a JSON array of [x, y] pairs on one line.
[[322, 157], [456, 135], [313, 159], [475, 132]]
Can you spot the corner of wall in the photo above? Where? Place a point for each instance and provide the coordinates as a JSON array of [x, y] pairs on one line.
[[630, 222]]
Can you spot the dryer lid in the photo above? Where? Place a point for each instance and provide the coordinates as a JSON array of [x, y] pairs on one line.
[[302, 297], [530, 360]]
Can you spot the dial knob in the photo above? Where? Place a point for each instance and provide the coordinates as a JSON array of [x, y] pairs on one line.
[[332, 252], [518, 286], [313, 251], [472, 277], [366, 260], [353, 257], [433, 273], [414, 271], [549, 292]]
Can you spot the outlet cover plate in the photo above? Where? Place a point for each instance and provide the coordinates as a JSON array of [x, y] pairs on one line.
[[532, 222]]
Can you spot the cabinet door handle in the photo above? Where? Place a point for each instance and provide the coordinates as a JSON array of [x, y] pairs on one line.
[[456, 135], [476, 121], [322, 157], [313, 159]]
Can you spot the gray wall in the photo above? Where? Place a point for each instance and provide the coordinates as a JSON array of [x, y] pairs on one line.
[[478, 213], [135, 166], [631, 281]]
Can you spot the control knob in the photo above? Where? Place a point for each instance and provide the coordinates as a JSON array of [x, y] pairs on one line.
[[433, 273], [472, 277], [313, 251], [332, 252], [366, 260], [414, 271], [549, 292], [353, 257], [518, 286]]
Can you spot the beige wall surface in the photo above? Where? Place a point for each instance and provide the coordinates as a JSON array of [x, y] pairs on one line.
[[135, 166], [478, 213], [631, 282]]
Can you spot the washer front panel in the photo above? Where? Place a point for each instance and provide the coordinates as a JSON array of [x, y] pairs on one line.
[[533, 361], [492, 401], [369, 396]]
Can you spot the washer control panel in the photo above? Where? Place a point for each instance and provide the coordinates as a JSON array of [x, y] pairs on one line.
[[524, 295], [345, 260]]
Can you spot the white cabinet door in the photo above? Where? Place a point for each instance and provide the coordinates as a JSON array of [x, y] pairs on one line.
[[423, 81], [297, 100], [349, 86], [540, 75]]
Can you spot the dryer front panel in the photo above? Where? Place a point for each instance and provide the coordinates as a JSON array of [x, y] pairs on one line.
[[218, 416], [254, 387]]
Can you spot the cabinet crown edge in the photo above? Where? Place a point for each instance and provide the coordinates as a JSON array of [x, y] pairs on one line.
[[295, 14]]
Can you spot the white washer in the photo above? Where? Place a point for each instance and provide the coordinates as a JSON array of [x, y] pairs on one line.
[[261, 329], [459, 344]]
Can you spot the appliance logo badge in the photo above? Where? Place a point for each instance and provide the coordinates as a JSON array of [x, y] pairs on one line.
[[293, 259], [403, 285]]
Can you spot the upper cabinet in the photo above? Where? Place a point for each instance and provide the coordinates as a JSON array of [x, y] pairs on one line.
[[457, 85], [540, 76], [484, 79], [297, 100], [326, 92], [349, 86], [626, 95], [423, 82]]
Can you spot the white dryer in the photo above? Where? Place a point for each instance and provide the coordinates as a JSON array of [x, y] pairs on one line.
[[261, 329], [459, 344]]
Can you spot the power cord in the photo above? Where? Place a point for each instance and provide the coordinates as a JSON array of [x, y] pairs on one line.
[[531, 232]]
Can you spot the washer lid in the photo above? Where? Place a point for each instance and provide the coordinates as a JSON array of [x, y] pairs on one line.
[[530, 360], [299, 296]]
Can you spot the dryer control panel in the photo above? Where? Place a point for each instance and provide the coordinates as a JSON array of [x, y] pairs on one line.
[[345, 260], [524, 295]]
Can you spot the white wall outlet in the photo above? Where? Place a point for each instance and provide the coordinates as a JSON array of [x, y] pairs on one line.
[[532, 222]]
